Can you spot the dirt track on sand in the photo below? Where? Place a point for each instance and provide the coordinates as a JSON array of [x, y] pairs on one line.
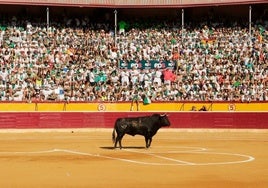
[[177, 158]]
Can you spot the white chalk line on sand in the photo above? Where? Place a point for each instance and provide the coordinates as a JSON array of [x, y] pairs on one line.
[[201, 151], [175, 162]]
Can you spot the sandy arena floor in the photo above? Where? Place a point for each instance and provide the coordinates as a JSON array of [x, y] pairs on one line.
[[177, 158]]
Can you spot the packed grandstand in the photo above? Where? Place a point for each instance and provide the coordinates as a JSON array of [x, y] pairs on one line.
[[82, 55]]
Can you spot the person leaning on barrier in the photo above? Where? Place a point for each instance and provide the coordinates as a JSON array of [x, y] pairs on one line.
[[203, 108], [193, 108]]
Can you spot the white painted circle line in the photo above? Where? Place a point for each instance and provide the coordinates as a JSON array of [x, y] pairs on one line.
[[202, 151], [176, 162]]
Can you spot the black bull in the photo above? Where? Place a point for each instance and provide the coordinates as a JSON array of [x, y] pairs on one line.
[[146, 126]]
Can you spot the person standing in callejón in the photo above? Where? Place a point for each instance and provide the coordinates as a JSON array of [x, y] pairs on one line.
[[136, 97]]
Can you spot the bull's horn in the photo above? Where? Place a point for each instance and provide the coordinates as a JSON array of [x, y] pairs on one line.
[[163, 114]]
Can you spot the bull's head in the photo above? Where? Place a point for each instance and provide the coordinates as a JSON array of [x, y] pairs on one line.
[[164, 120]]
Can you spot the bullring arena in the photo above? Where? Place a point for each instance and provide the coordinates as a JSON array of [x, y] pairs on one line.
[[49, 148], [177, 158], [56, 127]]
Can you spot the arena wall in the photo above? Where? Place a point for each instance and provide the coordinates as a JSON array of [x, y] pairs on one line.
[[41, 120], [126, 106], [103, 115]]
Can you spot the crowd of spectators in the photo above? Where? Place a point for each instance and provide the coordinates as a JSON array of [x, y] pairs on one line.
[[79, 61]]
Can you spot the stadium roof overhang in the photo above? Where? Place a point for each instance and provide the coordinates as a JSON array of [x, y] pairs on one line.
[[132, 3]]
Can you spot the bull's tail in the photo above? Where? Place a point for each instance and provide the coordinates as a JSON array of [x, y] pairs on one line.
[[113, 136]]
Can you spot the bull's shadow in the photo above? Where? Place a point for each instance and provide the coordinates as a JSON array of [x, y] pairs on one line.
[[127, 147]]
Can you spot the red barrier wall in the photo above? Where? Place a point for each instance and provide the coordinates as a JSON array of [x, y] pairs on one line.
[[240, 120]]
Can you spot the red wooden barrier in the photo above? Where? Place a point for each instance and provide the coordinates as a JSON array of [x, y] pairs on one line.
[[238, 120]]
